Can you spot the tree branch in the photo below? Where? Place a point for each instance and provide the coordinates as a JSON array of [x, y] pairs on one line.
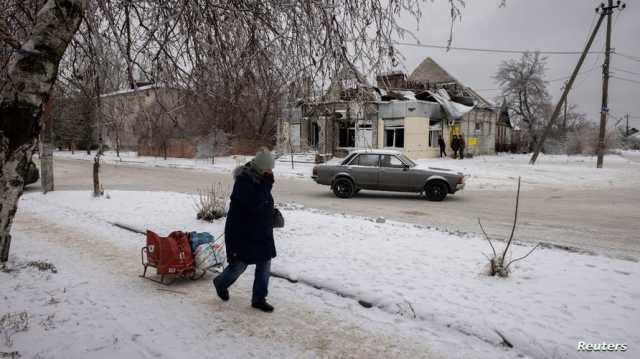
[[523, 257], [515, 220], [487, 237]]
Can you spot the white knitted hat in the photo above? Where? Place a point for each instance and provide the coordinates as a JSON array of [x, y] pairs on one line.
[[263, 160]]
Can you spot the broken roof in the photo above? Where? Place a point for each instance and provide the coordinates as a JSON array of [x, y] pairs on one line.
[[430, 71]]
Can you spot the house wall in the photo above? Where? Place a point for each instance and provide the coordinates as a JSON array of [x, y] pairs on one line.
[[416, 138], [479, 125]]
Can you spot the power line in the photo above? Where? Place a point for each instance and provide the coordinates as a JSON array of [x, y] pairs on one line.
[[629, 57], [501, 51], [579, 74], [548, 81], [626, 71], [628, 80]]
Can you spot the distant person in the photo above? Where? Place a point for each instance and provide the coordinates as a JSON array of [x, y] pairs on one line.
[[249, 229], [455, 146], [442, 146], [461, 144]]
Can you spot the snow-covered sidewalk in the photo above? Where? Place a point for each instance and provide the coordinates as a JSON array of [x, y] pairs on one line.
[[428, 289], [483, 172], [96, 306]]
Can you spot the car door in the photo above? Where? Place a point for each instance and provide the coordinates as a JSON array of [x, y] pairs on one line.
[[364, 170], [393, 174]]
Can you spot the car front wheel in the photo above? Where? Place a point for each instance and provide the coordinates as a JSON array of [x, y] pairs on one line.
[[343, 188], [436, 191]]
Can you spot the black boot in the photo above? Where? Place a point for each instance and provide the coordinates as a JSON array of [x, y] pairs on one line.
[[263, 306], [223, 294]]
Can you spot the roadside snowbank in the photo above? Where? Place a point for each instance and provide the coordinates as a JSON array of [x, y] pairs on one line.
[[428, 279], [483, 172], [558, 171]]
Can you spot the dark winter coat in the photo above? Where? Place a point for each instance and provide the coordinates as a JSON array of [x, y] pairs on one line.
[[455, 144], [249, 227], [441, 143], [461, 143]]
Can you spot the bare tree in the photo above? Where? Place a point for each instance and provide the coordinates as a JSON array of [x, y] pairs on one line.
[[31, 73], [231, 51], [498, 262], [525, 90]]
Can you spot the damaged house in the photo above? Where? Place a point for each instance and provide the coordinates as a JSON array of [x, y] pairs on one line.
[[406, 113]]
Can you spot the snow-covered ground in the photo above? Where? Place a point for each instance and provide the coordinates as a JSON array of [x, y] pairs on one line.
[[483, 172], [430, 296]]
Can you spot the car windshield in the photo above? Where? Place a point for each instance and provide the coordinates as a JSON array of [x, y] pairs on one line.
[[407, 160]]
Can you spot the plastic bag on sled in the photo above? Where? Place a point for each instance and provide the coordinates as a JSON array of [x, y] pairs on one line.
[[210, 254], [198, 238]]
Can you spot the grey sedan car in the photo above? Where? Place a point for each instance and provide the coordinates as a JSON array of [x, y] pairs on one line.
[[386, 170]]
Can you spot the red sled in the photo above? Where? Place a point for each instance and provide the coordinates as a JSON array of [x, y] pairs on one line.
[[171, 257]]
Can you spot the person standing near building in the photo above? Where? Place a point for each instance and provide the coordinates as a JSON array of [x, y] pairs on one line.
[[249, 229], [442, 146], [455, 145], [461, 145]]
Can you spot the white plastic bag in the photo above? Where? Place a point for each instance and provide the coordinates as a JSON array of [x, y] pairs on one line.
[[210, 254]]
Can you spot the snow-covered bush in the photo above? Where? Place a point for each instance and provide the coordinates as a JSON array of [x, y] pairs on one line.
[[211, 202]]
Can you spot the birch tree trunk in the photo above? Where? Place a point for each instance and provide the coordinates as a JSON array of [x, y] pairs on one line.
[[32, 73], [46, 150]]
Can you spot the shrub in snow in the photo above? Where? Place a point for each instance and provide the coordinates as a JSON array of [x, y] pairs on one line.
[[498, 263], [11, 324], [211, 203], [43, 266]]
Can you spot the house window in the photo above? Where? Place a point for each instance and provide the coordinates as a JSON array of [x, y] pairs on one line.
[[346, 135], [394, 137]]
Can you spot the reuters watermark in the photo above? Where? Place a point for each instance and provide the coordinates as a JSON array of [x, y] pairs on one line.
[[601, 347]]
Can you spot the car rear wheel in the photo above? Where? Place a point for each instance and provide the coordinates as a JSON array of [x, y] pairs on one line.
[[436, 191], [343, 188]]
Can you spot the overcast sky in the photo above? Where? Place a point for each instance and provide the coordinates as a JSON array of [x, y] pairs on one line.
[[558, 25]]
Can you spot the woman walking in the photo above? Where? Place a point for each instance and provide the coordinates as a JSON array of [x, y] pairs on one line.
[[249, 229]]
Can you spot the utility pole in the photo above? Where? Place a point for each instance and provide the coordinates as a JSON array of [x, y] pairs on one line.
[[604, 111], [564, 120], [626, 132], [603, 11]]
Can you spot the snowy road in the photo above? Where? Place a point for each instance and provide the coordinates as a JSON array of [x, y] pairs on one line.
[[604, 221]]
